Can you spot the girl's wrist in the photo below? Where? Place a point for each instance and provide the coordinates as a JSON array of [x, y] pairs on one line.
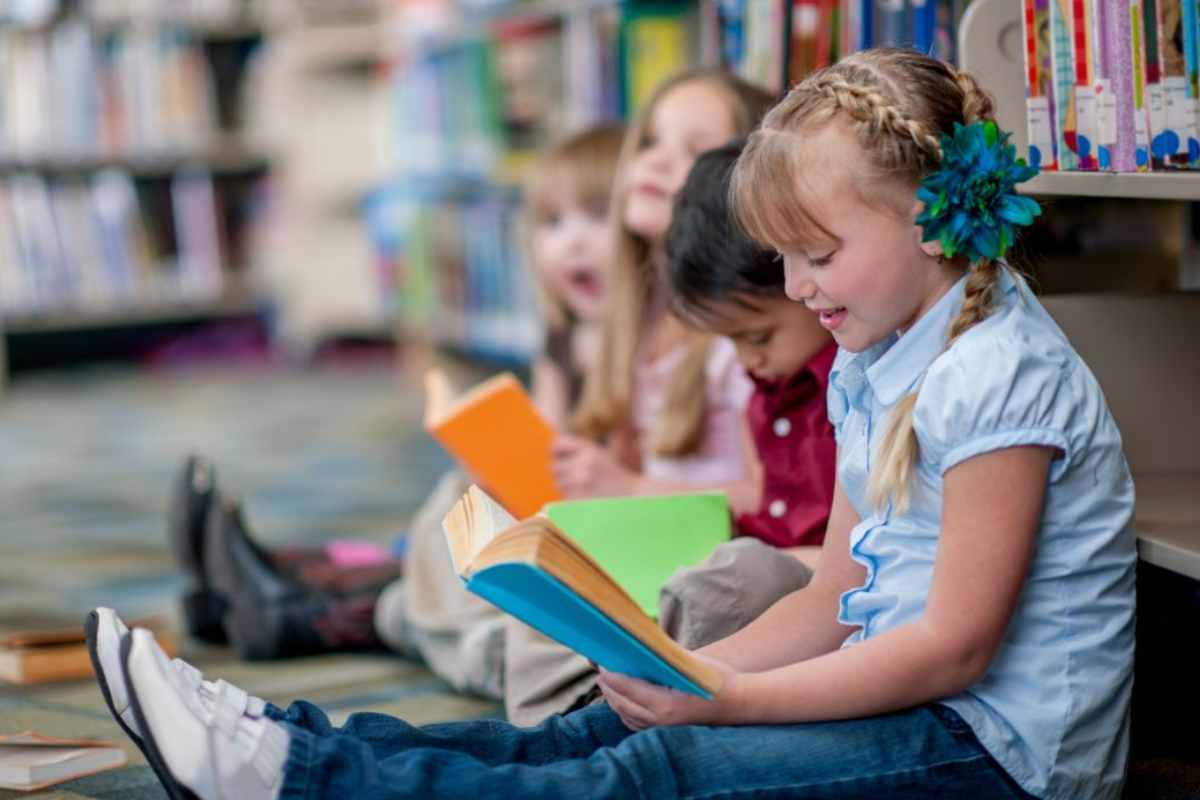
[[734, 699]]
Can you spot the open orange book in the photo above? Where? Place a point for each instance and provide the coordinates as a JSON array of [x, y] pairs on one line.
[[498, 436]]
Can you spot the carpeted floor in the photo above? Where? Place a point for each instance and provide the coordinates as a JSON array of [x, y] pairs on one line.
[[87, 458]]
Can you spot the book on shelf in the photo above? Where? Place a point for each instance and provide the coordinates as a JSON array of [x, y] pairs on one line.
[[892, 27], [1062, 59], [50, 655], [497, 434], [1039, 86], [1144, 34], [30, 760], [536, 571], [654, 45], [1177, 86]]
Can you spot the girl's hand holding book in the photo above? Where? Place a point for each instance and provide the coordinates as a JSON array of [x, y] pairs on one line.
[[583, 468], [642, 705]]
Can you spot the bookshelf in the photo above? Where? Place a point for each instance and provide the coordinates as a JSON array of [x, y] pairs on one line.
[[129, 190], [1153, 397]]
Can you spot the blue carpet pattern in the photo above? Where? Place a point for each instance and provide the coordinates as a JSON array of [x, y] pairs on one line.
[[87, 459]]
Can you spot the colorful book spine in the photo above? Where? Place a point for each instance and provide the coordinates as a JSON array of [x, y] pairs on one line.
[[1124, 147], [1087, 104], [1063, 66], [1140, 106], [1180, 107], [1105, 51], [892, 26], [1039, 85], [924, 23], [1146, 31], [1191, 57]]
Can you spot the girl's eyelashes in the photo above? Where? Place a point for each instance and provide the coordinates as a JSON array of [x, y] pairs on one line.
[[821, 261]]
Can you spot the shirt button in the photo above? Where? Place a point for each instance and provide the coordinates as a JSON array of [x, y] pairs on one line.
[[782, 426], [777, 508]]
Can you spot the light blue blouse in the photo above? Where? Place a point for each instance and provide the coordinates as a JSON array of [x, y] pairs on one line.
[[1053, 708]]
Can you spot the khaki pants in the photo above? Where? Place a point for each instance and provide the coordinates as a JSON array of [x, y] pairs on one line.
[[699, 605], [430, 614]]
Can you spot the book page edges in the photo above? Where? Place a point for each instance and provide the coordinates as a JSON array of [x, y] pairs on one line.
[[538, 542]]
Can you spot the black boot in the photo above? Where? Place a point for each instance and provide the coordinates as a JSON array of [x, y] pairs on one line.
[[268, 614], [194, 496]]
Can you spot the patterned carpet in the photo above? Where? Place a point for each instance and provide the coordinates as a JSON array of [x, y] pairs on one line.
[[87, 458]]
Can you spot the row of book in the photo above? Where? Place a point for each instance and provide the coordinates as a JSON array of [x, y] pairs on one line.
[[106, 242], [41, 13], [449, 260], [1111, 85], [479, 87], [775, 43], [73, 90]]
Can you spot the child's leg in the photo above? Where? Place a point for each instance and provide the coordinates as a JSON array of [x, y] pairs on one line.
[[457, 634], [541, 677], [920, 753], [730, 589]]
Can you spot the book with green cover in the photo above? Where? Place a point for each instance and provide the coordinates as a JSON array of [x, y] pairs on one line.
[[641, 541], [540, 573]]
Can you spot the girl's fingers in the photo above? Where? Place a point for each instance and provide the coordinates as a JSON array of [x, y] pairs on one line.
[[641, 692], [633, 715]]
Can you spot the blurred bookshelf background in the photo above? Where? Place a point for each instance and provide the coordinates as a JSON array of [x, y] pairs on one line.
[[332, 169]]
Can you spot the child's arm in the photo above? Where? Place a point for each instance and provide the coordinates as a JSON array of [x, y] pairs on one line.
[[991, 508], [550, 392], [803, 624]]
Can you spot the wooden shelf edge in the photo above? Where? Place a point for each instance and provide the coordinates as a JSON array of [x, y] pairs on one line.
[[1168, 521], [149, 314], [1133, 185]]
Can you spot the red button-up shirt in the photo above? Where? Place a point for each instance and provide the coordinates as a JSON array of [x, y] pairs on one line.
[[794, 440]]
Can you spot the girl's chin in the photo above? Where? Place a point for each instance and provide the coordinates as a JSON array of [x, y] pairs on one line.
[[649, 223]]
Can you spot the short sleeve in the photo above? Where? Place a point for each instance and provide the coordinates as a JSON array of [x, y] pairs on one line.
[[989, 393]]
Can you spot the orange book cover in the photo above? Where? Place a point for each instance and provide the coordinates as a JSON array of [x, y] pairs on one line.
[[498, 436]]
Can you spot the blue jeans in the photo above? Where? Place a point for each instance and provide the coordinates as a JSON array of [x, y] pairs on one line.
[[921, 753]]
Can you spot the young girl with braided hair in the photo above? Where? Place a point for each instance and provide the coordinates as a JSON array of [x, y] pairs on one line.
[[969, 629]]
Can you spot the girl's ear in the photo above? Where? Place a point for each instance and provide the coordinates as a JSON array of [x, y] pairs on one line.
[[932, 249]]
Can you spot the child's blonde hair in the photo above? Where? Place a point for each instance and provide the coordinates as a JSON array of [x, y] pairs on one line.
[[608, 388], [585, 165], [898, 103]]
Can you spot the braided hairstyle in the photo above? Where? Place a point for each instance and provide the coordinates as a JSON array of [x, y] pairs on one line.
[[898, 104]]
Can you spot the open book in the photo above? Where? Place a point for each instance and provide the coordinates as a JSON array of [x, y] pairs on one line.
[[497, 434], [31, 761], [541, 575]]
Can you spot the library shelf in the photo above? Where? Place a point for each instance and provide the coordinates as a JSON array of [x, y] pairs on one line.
[[221, 160], [233, 304], [1132, 185], [1168, 521]]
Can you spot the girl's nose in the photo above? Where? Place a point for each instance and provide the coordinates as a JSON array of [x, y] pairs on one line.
[[796, 282]]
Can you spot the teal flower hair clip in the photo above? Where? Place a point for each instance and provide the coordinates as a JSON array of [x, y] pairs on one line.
[[971, 206]]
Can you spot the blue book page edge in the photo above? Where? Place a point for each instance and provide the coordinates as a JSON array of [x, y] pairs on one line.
[[541, 601]]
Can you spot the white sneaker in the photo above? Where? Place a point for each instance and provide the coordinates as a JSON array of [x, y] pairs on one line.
[[199, 751], [104, 630]]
